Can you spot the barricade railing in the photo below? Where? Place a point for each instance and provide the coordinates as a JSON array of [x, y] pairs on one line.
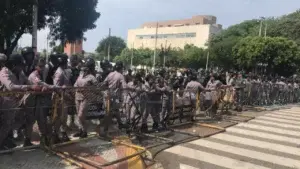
[[265, 94]]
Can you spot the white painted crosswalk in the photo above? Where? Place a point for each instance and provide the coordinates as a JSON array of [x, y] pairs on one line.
[[268, 141]]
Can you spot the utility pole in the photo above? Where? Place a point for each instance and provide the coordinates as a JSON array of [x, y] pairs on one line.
[[165, 54], [34, 25], [154, 57], [131, 59], [266, 27], [47, 47], [261, 24], [207, 57], [108, 50], [260, 27]]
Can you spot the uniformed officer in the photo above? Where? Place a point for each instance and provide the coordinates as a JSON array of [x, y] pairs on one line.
[[211, 96], [42, 102], [82, 97], [115, 82], [192, 88], [153, 104], [61, 78], [165, 91], [74, 72], [12, 78], [106, 69], [29, 56], [133, 98]]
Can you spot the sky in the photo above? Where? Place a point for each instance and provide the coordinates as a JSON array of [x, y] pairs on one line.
[[121, 15]]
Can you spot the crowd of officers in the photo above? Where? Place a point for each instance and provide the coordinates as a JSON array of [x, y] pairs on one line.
[[139, 94]]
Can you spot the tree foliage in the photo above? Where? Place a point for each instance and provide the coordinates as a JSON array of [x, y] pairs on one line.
[[228, 48], [67, 19], [116, 45], [191, 56], [280, 55]]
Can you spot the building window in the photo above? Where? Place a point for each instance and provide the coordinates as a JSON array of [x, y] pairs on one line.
[[197, 23], [168, 36], [187, 24], [169, 25]]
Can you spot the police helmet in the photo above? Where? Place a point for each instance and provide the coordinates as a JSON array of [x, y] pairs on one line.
[[3, 58], [105, 64], [16, 59], [89, 63], [62, 59], [119, 65], [27, 50], [74, 58], [53, 60]]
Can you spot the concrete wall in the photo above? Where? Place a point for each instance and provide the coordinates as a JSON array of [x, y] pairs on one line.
[[201, 34]]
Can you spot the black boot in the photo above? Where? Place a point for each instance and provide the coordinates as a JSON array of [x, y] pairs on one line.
[[155, 127], [83, 134], [144, 128], [164, 125], [123, 126], [9, 143], [54, 139], [78, 134], [27, 143], [44, 142], [65, 137]]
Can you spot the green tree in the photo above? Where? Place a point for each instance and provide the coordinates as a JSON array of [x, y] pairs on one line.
[[221, 44], [116, 45], [281, 55], [194, 57], [67, 19]]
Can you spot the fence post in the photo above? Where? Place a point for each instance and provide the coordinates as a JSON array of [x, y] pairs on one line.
[[173, 101], [198, 101], [108, 102]]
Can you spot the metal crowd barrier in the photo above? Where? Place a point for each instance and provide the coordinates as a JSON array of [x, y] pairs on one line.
[[266, 94], [134, 105]]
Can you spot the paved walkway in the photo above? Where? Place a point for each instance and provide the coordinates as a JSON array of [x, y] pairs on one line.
[[270, 141]]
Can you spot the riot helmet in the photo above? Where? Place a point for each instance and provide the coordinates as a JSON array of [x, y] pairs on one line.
[[15, 62], [74, 60], [62, 60], [3, 59], [89, 64], [28, 55], [119, 66]]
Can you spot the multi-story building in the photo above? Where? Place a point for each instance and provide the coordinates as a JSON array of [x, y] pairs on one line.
[[174, 33]]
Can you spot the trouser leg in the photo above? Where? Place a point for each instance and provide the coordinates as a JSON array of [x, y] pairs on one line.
[[8, 119], [81, 106]]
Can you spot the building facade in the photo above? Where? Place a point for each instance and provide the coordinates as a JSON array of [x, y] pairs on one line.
[[175, 33], [73, 48]]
